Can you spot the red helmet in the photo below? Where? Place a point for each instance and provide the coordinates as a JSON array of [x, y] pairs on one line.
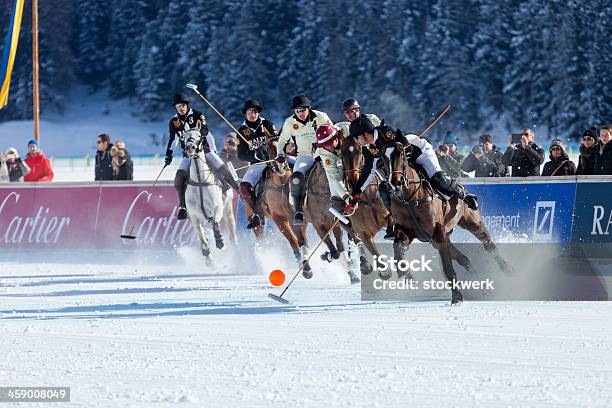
[[326, 135]]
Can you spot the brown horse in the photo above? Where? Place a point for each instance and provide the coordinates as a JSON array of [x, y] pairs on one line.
[[371, 215], [422, 214], [271, 206], [316, 212]]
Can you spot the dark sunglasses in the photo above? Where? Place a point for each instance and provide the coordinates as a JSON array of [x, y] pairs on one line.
[[252, 111], [588, 139], [552, 149], [300, 110]]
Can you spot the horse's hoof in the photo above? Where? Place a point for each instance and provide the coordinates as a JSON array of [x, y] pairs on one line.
[[306, 265], [307, 273], [335, 254], [219, 244], [327, 256], [466, 264], [457, 297], [206, 253], [386, 275]]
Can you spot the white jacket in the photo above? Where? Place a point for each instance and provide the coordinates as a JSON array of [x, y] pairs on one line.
[[304, 134], [334, 170]]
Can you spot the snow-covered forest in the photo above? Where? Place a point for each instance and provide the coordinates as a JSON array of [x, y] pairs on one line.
[[512, 62]]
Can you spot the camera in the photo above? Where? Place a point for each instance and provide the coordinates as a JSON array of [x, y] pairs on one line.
[[516, 138]]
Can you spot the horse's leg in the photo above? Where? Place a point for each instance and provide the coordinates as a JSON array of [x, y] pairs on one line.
[[338, 238], [472, 221], [230, 219], [365, 266], [218, 236], [401, 244], [441, 244], [331, 253], [457, 255], [285, 228], [201, 231]]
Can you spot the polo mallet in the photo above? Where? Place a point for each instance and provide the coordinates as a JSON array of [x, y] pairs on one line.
[[342, 218], [436, 120], [130, 235], [194, 88], [249, 165]]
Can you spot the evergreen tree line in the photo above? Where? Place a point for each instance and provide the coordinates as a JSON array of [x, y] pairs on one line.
[[512, 63]]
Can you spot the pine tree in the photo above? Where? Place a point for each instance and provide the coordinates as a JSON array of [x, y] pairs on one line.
[[91, 33]]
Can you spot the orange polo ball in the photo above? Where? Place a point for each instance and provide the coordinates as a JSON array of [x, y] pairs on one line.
[[277, 277]]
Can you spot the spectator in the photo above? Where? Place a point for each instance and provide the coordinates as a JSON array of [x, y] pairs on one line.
[[40, 166], [4, 174], [559, 164], [104, 162], [229, 153], [525, 157], [121, 161], [450, 159], [588, 152], [17, 169], [603, 160], [485, 159]]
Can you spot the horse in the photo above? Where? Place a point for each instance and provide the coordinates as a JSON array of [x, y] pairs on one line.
[[421, 213], [370, 215], [203, 196], [316, 212]]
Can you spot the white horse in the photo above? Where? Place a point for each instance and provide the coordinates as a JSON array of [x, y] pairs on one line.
[[203, 196]]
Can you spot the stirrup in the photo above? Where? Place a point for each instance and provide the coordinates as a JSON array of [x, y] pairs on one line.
[[182, 213]]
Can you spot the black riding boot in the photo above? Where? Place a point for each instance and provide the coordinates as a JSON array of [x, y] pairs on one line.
[[180, 184], [298, 185], [226, 178], [248, 196], [384, 190], [450, 187]]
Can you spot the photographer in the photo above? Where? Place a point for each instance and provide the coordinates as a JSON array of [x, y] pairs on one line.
[[588, 152], [559, 164], [603, 160], [15, 166], [485, 159], [525, 156], [448, 156]]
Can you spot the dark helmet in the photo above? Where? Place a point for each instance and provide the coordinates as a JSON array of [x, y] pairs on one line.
[[350, 103], [250, 104], [300, 101], [180, 98], [362, 124]]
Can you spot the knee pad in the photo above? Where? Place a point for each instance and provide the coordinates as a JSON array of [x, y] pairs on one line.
[[297, 183]]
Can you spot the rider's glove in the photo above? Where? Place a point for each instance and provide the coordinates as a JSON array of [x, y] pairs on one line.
[[280, 159], [168, 159]]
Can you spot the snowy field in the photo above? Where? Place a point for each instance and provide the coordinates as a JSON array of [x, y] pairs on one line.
[[137, 334]]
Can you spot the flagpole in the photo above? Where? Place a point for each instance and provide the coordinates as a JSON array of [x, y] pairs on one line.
[[35, 69]]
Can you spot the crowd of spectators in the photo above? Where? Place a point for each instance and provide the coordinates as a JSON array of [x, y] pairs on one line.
[[524, 158], [521, 158]]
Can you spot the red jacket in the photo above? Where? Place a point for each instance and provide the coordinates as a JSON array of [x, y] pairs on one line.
[[40, 168]]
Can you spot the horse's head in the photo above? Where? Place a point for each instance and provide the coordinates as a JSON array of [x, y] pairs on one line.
[[398, 165], [352, 160], [193, 139]]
